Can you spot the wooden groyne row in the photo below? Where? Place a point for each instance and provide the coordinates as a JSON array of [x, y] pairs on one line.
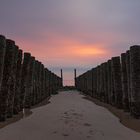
[[116, 82], [24, 81]]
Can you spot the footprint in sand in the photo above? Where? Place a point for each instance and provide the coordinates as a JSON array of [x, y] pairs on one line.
[[87, 124], [54, 132], [65, 135], [66, 113]]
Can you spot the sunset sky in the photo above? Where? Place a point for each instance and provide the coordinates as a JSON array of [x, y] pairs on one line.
[[71, 34]]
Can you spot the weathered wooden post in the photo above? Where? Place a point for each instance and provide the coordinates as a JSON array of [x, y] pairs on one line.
[[90, 83], [33, 83], [75, 75], [36, 84], [62, 76], [50, 83], [47, 83], [105, 80], [32, 79], [12, 84], [85, 83], [95, 82], [2, 56], [25, 78], [39, 82], [53, 83], [29, 90], [135, 80], [116, 70], [98, 81], [109, 81], [17, 99], [7, 78], [124, 82], [128, 76], [42, 82], [101, 93], [81, 82]]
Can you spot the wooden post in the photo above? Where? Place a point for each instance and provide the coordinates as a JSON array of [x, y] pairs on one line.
[[75, 75], [135, 80], [116, 71], [17, 98], [7, 78], [2, 65], [124, 82], [25, 78], [12, 84], [62, 77]]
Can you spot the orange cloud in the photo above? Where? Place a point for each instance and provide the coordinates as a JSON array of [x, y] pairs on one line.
[[62, 50], [87, 51]]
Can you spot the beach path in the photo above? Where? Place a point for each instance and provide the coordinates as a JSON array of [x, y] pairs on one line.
[[69, 116]]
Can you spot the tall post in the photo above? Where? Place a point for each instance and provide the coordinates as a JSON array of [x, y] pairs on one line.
[[17, 98], [2, 76], [135, 80], [125, 96], [116, 71], [62, 76], [25, 88], [7, 80], [2, 55], [75, 75]]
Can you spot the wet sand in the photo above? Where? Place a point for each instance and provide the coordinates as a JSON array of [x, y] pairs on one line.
[[124, 117], [69, 117], [27, 113]]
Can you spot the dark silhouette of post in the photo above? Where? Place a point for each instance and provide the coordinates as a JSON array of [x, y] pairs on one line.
[[75, 74], [62, 76]]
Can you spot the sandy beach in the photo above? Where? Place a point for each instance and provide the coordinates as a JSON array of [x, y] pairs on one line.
[[69, 116], [125, 117], [27, 113]]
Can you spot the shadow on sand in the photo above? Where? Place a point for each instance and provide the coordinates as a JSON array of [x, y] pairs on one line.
[[124, 117], [23, 114]]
